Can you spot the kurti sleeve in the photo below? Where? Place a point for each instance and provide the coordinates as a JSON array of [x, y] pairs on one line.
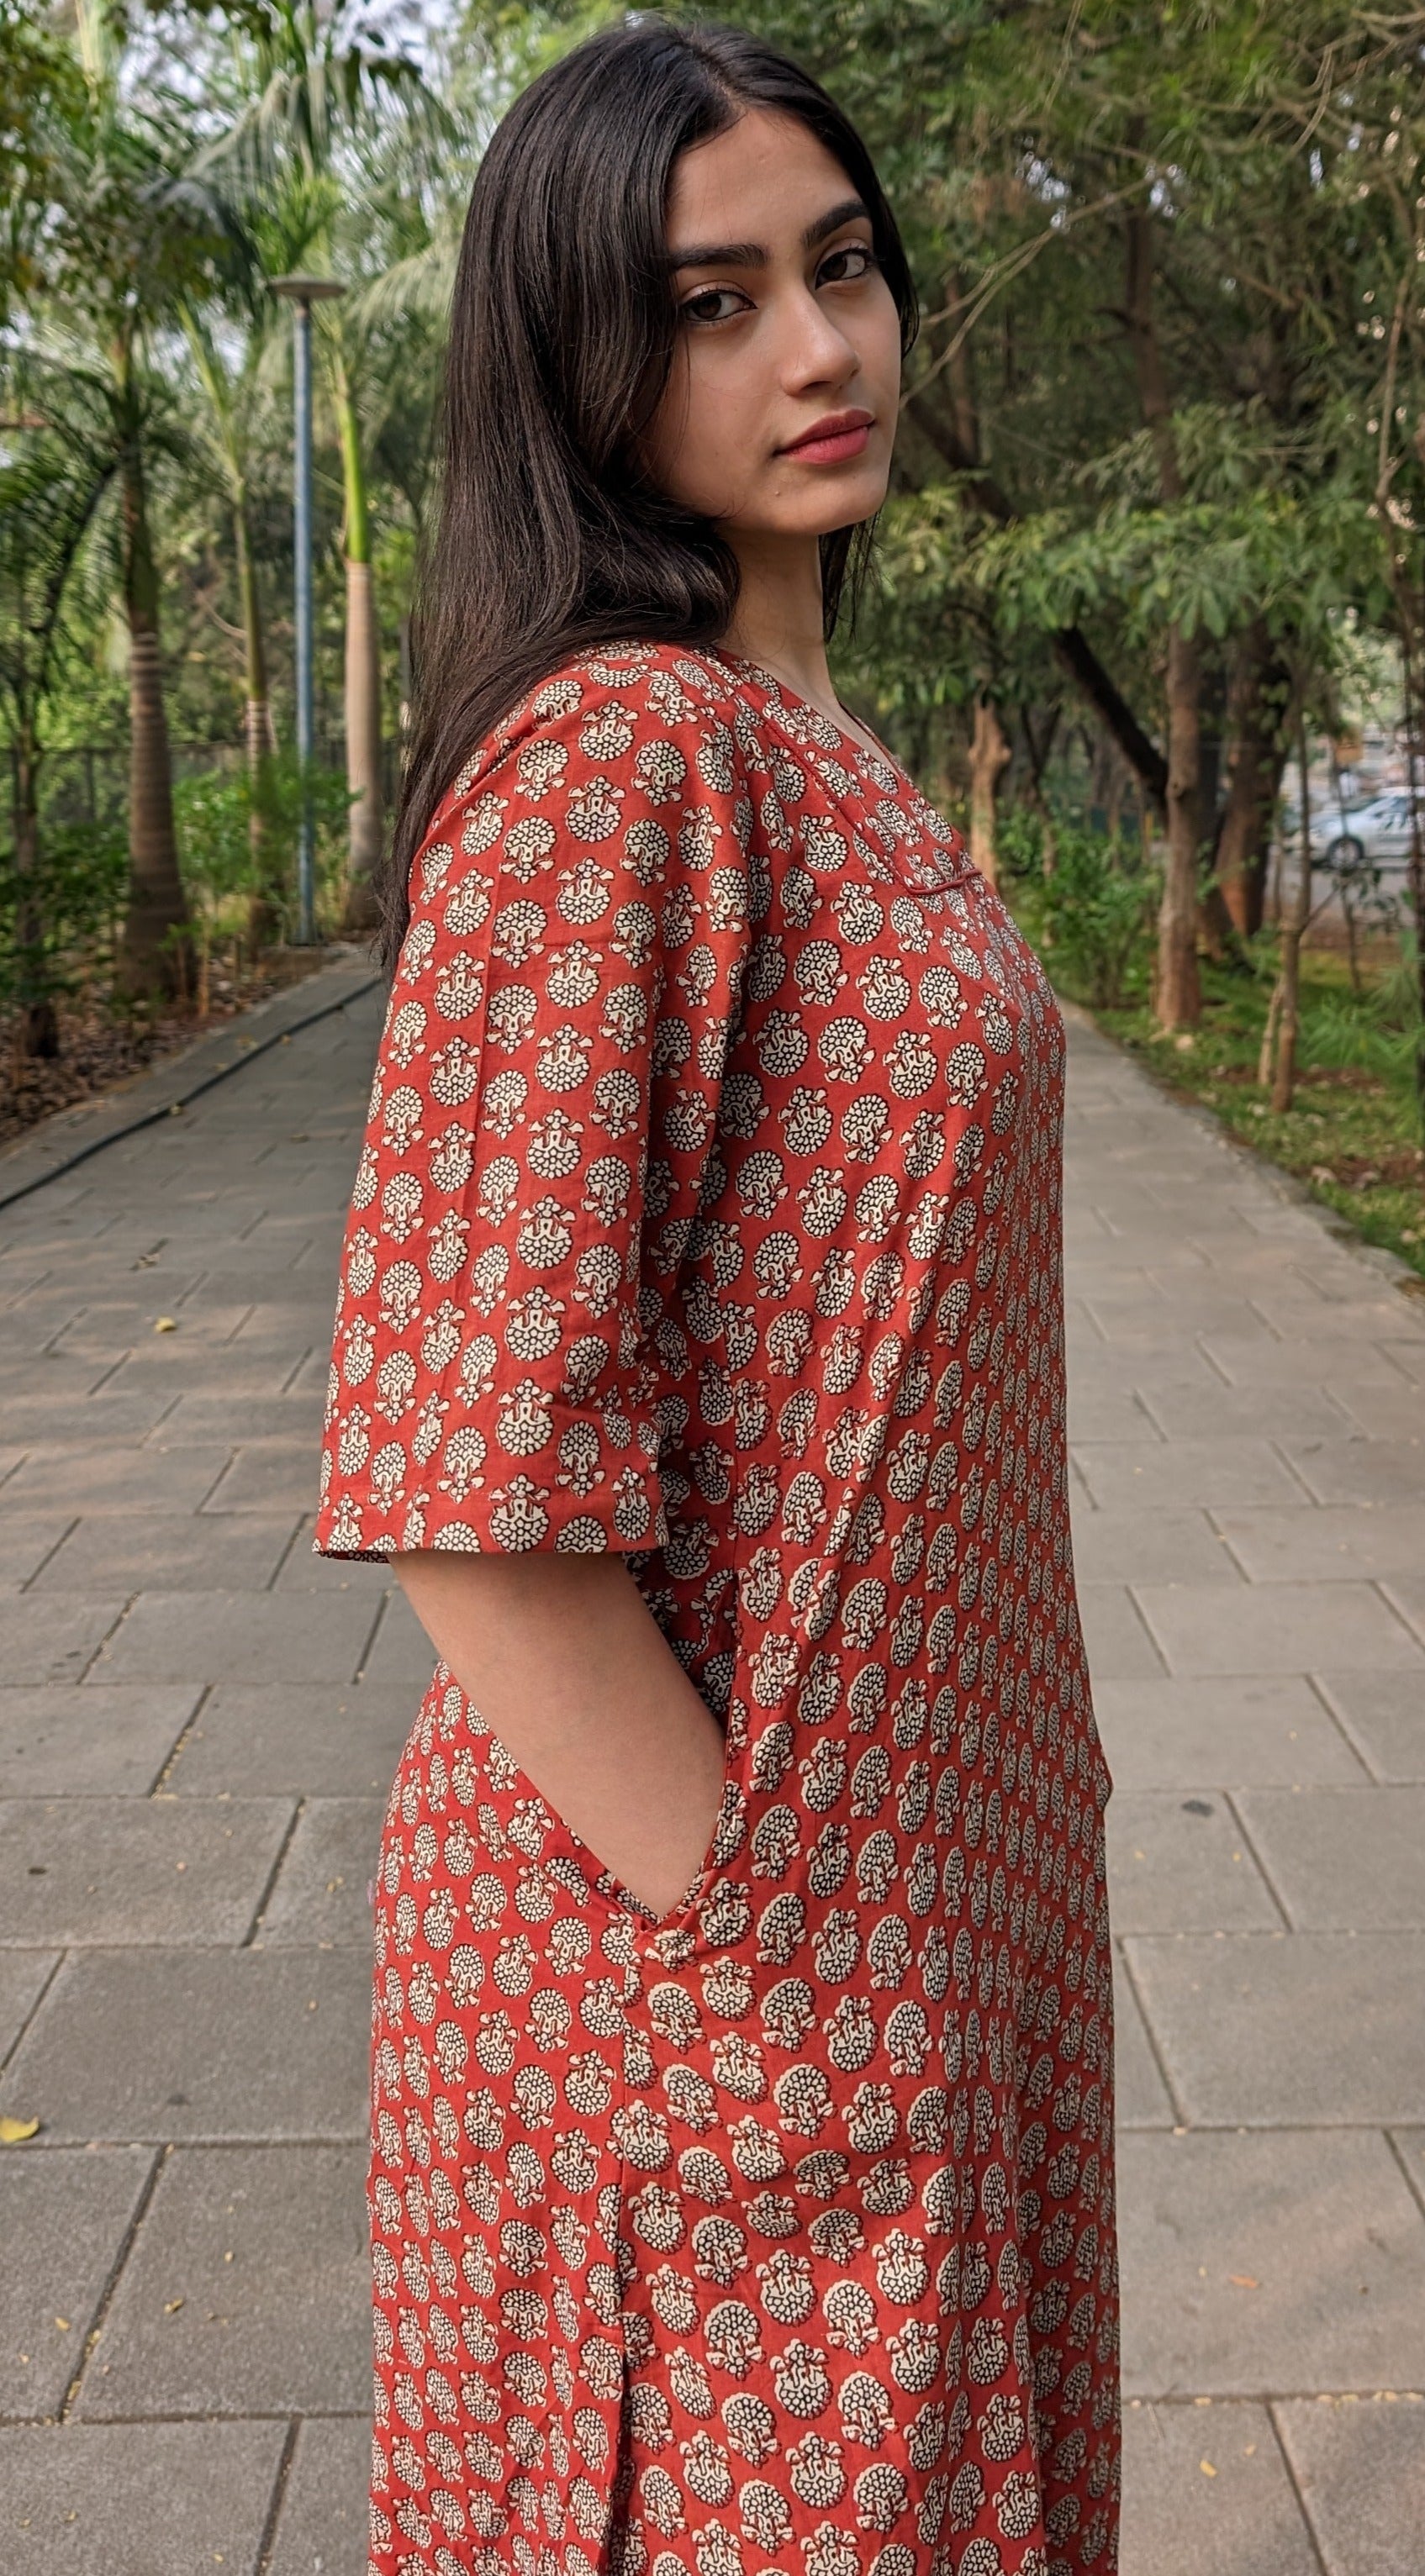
[[544, 1106]]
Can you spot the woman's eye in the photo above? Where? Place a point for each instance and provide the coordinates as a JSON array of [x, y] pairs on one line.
[[714, 304], [847, 266]]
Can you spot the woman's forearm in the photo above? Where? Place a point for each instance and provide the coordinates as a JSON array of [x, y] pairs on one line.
[[564, 1659]]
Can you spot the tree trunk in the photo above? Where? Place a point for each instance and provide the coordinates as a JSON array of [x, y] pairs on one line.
[[1255, 761], [1289, 978], [263, 913], [989, 756], [37, 1027], [1177, 992], [366, 826], [153, 956]]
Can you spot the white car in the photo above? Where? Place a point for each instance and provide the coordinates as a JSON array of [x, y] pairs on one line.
[[1378, 836]]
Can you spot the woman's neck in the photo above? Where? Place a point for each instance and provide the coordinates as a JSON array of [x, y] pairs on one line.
[[777, 620]]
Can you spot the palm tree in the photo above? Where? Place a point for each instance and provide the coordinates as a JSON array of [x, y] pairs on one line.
[[135, 237], [231, 386], [51, 488], [318, 112]]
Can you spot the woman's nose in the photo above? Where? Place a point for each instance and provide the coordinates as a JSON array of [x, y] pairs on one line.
[[817, 351]]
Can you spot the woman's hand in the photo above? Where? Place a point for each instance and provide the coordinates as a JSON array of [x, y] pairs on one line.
[[563, 1658]]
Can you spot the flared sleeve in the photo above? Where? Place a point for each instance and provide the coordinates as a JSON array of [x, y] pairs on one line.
[[544, 1106]]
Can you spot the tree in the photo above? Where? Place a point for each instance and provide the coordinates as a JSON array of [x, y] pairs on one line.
[[133, 237], [50, 492], [320, 94]]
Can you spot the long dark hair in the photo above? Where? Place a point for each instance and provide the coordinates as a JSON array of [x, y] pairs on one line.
[[549, 537]]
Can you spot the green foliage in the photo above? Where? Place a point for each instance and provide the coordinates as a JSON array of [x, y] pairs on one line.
[[79, 902], [1374, 1031], [225, 868], [1090, 910]]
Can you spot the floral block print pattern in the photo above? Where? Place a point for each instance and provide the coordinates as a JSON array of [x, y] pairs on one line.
[[710, 1211]]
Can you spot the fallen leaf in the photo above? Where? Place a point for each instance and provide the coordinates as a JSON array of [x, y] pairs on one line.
[[13, 2131], [166, 1324], [171, 2307], [63, 2324], [1244, 2280], [1207, 2468]]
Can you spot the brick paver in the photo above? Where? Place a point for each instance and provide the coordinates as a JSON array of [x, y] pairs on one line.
[[198, 1722]]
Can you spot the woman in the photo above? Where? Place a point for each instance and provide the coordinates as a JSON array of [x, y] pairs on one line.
[[741, 2179]]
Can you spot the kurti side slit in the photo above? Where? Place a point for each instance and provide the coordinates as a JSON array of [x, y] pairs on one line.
[[710, 1211]]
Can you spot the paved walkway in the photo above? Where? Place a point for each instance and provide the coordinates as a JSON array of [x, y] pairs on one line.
[[198, 1721]]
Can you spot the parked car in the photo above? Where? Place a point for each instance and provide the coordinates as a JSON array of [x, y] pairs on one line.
[[1377, 836]]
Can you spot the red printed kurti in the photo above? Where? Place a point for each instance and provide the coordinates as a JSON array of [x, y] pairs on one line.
[[710, 1211]]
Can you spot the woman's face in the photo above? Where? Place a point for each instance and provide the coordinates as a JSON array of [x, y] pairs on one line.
[[779, 416]]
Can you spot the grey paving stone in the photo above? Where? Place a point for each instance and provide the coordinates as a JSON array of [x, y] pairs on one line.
[[1276, 1628], [294, 1419], [1384, 1715], [322, 2528], [110, 1324], [1150, 1547], [1406, 1593], [1343, 1859], [64, 1742], [1382, 1471], [64, 2217], [265, 2248], [1263, 1358], [1408, 1357], [1185, 1734], [276, 1740], [105, 1418], [136, 2499], [276, 1475], [1360, 2467], [300, 1325], [1207, 2493], [322, 1891], [1351, 1320], [95, 1872], [1325, 2241], [1381, 1412], [1409, 2145], [1119, 1646], [1290, 2029], [1104, 1413], [24, 1545], [229, 1636], [1141, 2098], [1208, 1475], [401, 1658], [1292, 1412], [22, 1980], [81, 1477], [1332, 1543], [187, 1372], [52, 1641], [1180, 1863], [167, 1552], [198, 2045]]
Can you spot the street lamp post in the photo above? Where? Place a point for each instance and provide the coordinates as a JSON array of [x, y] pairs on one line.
[[302, 293]]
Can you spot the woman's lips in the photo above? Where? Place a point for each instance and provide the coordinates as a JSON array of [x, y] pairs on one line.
[[831, 442]]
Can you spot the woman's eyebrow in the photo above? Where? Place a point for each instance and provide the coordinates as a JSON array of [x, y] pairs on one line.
[[753, 254]]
